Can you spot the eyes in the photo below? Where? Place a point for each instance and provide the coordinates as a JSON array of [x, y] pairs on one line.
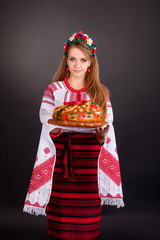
[[72, 59]]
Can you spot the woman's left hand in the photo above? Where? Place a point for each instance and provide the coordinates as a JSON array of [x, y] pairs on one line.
[[101, 133]]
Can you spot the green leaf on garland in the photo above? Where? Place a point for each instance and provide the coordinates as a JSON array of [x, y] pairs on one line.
[[88, 112], [72, 117], [88, 116], [71, 113]]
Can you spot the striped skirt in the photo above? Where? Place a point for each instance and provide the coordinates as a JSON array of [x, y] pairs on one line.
[[74, 209]]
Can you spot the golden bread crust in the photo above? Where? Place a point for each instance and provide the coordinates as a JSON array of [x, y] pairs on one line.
[[79, 115]]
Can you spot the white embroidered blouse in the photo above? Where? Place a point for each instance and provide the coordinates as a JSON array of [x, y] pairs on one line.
[[109, 177]]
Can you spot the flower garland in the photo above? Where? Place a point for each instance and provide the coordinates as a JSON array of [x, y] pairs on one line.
[[80, 37]]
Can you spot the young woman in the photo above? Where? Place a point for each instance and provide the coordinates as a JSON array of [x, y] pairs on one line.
[[71, 192]]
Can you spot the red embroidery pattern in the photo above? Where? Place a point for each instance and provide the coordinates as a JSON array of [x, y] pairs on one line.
[[72, 96], [48, 102], [108, 140], [59, 85], [110, 196], [49, 91], [110, 165], [54, 87], [41, 174], [35, 204], [46, 150]]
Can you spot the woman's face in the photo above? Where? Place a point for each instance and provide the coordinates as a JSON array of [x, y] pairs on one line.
[[77, 62]]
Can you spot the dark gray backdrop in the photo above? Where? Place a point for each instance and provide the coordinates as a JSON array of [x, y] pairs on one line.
[[127, 37]]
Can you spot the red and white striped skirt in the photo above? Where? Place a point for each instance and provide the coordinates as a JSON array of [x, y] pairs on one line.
[[74, 209]]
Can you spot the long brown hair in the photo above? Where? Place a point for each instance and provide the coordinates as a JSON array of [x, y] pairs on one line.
[[95, 89]]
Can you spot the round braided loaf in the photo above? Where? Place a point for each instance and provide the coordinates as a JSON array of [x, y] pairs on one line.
[[86, 114]]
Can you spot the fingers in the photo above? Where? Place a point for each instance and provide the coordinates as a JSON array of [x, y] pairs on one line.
[[55, 130], [106, 128], [101, 129]]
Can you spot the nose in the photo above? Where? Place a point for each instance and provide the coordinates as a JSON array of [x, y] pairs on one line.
[[77, 64]]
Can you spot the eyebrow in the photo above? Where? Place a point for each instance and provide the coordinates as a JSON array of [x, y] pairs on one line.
[[75, 57]]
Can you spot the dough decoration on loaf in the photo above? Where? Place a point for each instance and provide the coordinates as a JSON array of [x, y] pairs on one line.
[[79, 114]]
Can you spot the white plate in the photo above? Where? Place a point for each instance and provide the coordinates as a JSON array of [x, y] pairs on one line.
[[78, 129]]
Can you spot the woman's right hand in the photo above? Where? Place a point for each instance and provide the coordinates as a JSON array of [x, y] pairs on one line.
[[55, 131]]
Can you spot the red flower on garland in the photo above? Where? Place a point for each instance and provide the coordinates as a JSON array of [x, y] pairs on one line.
[[66, 116], [80, 36]]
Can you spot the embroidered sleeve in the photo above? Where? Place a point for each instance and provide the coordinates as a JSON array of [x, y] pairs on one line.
[[109, 117], [109, 175], [47, 104]]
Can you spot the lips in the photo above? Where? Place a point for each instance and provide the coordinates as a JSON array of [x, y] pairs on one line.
[[77, 71]]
